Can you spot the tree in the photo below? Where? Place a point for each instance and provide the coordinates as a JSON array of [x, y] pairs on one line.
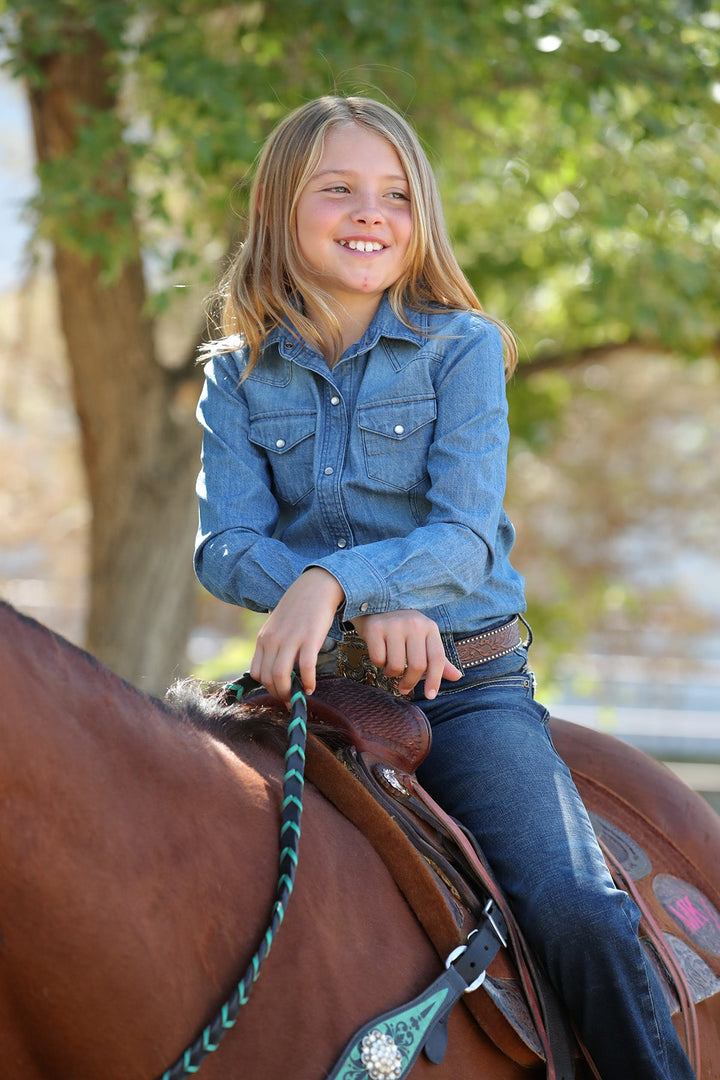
[[578, 151], [138, 445]]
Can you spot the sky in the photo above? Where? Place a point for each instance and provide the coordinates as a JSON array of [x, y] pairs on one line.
[[17, 180]]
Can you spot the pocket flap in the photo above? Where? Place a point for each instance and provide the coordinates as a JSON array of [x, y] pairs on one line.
[[281, 432], [397, 419]]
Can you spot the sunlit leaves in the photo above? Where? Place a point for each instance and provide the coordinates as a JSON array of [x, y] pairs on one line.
[[577, 145], [94, 219]]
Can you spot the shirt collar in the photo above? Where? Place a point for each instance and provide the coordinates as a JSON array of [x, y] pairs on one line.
[[384, 323]]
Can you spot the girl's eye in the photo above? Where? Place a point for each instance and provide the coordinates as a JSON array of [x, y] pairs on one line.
[[338, 189], [399, 196]]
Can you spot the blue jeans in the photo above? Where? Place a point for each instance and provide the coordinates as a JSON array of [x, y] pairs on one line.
[[493, 766]]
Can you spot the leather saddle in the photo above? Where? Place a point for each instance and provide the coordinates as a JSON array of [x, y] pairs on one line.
[[362, 755]]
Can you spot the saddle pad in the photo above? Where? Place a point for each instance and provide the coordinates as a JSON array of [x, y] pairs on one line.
[[680, 924]]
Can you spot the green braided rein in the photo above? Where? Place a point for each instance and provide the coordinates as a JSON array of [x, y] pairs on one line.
[[292, 807]]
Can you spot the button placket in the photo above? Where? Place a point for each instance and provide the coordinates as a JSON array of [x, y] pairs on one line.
[[329, 470], [333, 435]]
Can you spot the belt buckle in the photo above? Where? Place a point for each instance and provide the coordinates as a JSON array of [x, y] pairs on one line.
[[353, 662]]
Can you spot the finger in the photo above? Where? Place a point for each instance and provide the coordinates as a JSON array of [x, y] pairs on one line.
[[417, 664], [451, 672], [377, 646], [396, 657], [419, 661], [256, 664], [307, 669], [436, 667], [433, 680], [273, 670]]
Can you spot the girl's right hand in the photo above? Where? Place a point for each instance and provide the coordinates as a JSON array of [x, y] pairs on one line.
[[295, 631], [409, 644]]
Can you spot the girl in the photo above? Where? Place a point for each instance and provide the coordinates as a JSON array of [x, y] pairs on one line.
[[354, 455]]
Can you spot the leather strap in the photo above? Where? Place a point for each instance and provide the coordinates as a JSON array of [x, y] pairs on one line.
[[423, 1021], [550, 1021]]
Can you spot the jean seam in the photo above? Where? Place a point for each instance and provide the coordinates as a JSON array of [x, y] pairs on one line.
[[509, 680], [660, 1044]]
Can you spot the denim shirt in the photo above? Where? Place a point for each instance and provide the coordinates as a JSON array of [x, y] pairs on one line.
[[388, 471]]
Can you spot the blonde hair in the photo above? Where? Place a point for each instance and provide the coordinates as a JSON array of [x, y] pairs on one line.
[[265, 283]]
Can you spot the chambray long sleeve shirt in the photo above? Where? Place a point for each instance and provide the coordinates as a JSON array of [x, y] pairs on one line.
[[388, 471]]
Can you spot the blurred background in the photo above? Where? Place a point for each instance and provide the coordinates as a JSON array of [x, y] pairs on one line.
[[577, 148]]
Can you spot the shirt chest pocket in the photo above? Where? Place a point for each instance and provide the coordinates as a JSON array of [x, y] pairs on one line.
[[288, 440], [396, 438]]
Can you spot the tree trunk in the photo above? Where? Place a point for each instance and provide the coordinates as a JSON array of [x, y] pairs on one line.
[[140, 443]]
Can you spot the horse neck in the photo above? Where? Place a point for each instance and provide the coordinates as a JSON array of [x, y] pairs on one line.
[[124, 832], [62, 710], [79, 744]]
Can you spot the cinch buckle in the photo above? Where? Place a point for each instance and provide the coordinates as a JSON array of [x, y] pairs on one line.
[[487, 912], [456, 953]]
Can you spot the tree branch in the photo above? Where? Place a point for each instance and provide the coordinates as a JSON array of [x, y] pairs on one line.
[[593, 354]]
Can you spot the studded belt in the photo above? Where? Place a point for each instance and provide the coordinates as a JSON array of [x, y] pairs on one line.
[[490, 645]]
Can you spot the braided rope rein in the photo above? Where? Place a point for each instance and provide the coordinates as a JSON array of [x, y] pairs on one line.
[[292, 807]]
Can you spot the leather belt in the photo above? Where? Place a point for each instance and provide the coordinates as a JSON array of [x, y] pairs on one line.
[[490, 645], [353, 661]]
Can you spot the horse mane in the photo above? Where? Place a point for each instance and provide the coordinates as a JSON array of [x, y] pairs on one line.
[[206, 706]]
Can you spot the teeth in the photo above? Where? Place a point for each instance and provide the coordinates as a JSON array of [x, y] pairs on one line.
[[362, 245]]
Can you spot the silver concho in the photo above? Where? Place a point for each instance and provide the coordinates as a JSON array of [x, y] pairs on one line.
[[380, 1056], [391, 779]]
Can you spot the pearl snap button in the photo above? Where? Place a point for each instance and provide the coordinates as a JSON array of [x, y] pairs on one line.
[[329, 471], [342, 543], [365, 606], [279, 443], [334, 400], [398, 429]]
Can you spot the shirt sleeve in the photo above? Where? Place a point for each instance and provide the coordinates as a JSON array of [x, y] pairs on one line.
[[452, 553], [237, 558]]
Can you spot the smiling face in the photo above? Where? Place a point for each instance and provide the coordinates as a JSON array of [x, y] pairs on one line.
[[354, 220]]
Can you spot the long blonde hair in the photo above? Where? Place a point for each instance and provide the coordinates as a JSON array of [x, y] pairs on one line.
[[265, 283]]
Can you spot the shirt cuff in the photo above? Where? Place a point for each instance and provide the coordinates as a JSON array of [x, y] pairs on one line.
[[366, 592]]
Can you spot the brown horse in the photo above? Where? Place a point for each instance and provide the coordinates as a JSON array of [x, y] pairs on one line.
[[138, 862]]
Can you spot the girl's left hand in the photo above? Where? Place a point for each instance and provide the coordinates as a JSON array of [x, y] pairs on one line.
[[409, 644], [295, 632]]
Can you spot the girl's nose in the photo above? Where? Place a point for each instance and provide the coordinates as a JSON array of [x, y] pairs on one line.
[[367, 212]]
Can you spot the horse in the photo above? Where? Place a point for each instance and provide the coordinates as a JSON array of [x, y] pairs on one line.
[[138, 864]]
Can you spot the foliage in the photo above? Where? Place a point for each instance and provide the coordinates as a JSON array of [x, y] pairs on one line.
[[617, 508], [577, 146]]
